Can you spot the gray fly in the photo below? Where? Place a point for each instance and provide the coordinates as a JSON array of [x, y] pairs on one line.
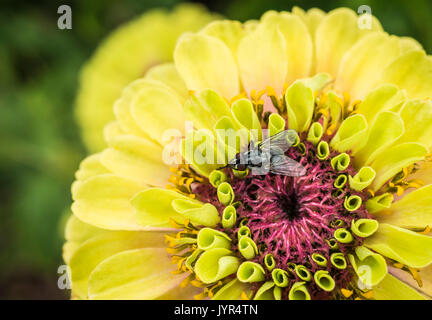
[[269, 156]]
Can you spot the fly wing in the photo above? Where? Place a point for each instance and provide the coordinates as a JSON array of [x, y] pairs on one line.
[[282, 165], [278, 143]]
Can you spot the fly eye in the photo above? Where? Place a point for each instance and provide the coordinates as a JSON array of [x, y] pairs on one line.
[[241, 167]]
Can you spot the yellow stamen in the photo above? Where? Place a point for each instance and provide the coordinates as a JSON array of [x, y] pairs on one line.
[[244, 296], [368, 295], [426, 230], [346, 293]]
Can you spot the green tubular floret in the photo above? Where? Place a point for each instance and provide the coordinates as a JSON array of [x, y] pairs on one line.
[[243, 222], [343, 235], [340, 181], [247, 248], [323, 150], [225, 193], [296, 141], [302, 148], [217, 177], [190, 261], [340, 162], [302, 272], [209, 239], [338, 260], [250, 272], [333, 244], [324, 280], [299, 291], [229, 217], [215, 264], [268, 291], [336, 194], [337, 223], [243, 231], [319, 259], [276, 124], [269, 262], [379, 203], [291, 266], [352, 203], [280, 277], [315, 133], [240, 174], [362, 179], [364, 227]]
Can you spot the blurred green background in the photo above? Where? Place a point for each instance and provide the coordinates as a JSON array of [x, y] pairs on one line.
[[40, 146]]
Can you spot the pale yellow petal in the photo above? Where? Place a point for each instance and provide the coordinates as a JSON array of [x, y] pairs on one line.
[[205, 62], [392, 160], [104, 201], [405, 246], [417, 117], [156, 109], [136, 159], [299, 46], [360, 68], [134, 274], [261, 55], [335, 35], [393, 289], [169, 76], [412, 71], [95, 250], [412, 211]]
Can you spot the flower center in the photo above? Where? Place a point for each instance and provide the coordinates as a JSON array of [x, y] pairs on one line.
[[295, 219]]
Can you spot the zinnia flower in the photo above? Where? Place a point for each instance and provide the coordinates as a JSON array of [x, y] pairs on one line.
[[126, 55], [356, 225]]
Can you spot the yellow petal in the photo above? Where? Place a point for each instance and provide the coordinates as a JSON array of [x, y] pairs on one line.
[[337, 32], [136, 159], [360, 68], [386, 129], [156, 108], [386, 97], [104, 201], [298, 42], [134, 274], [412, 71], [408, 44], [154, 207], [77, 232], [391, 288], [413, 211], [262, 60], [90, 166], [424, 172], [425, 275], [204, 108], [112, 130], [97, 249], [312, 18], [122, 108], [417, 117], [230, 32], [408, 247], [169, 76], [392, 160], [205, 62]]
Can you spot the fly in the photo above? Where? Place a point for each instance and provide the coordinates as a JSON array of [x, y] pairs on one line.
[[269, 156]]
